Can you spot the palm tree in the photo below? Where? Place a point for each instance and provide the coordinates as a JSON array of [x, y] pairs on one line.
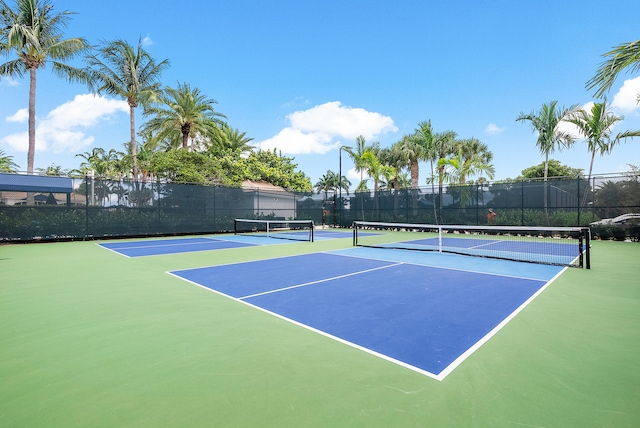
[[34, 32], [442, 146], [234, 140], [331, 182], [472, 159], [184, 112], [394, 158], [475, 159], [377, 171], [357, 156], [419, 146], [546, 123], [53, 170], [6, 163], [596, 126], [626, 55], [326, 183], [227, 139], [101, 162], [129, 73]]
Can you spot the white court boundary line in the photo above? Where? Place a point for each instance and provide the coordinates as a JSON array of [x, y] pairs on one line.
[[333, 278], [164, 245], [315, 330], [451, 367], [212, 241], [440, 376]]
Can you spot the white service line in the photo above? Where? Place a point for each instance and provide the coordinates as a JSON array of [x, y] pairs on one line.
[[319, 281]]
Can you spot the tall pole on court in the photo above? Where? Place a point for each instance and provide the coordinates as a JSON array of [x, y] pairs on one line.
[[340, 181], [335, 207]]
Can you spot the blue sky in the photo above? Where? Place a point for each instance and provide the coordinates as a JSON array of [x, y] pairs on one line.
[[309, 76]]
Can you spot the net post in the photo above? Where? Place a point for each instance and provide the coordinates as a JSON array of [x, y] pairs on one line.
[[588, 247], [581, 249], [313, 226], [355, 233], [235, 226], [439, 239]]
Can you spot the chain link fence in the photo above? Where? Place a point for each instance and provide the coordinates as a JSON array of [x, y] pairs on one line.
[[53, 208]]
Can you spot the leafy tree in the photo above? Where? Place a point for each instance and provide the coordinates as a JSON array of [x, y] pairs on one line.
[[546, 123], [276, 169], [6, 163], [182, 166], [182, 114], [34, 32], [120, 69], [554, 169], [264, 165], [621, 57], [53, 170]]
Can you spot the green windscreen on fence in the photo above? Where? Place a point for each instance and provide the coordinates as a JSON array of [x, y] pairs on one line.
[[41, 208]]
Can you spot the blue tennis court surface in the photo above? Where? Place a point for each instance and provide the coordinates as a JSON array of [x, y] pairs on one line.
[[424, 317], [171, 246], [155, 247]]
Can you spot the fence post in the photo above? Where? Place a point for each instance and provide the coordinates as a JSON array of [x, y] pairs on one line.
[[86, 207], [579, 199], [522, 202]]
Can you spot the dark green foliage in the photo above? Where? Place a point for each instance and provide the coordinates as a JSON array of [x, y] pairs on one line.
[[183, 166], [556, 169], [265, 165]]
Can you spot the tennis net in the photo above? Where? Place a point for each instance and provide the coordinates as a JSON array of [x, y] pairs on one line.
[[547, 245], [296, 230]]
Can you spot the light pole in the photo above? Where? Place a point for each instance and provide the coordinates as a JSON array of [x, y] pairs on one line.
[[340, 182]]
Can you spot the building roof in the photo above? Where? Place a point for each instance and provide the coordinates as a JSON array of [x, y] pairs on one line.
[[35, 183], [260, 185]]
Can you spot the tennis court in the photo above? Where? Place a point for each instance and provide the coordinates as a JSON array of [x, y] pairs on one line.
[[92, 338], [155, 247], [422, 317]]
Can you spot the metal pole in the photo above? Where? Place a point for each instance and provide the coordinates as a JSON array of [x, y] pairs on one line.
[[335, 207]]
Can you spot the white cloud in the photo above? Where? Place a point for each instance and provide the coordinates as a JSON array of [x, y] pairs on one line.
[[20, 116], [318, 129], [494, 129], [295, 141], [8, 81], [64, 128], [146, 41], [295, 103], [354, 176], [626, 99]]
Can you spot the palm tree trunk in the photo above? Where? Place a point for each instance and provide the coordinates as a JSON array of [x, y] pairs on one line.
[[32, 120], [546, 173], [185, 140], [415, 173], [134, 148], [32, 129], [586, 188]]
